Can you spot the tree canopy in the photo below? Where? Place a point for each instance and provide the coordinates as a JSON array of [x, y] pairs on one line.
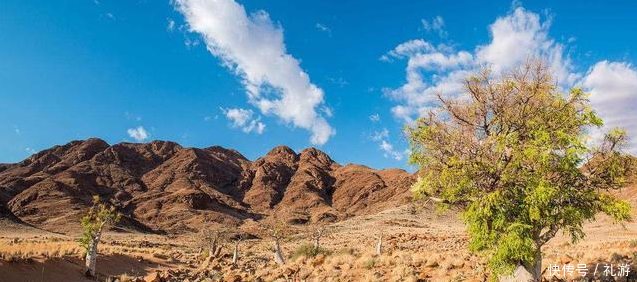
[[515, 154], [98, 216]]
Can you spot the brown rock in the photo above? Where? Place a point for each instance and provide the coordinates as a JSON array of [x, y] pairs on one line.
[[431, 263], [566, 259], [176, 189], [231, 277], [153, 277], [318, 260]]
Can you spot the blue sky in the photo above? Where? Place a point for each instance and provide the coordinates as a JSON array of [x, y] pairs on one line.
[[345, 76]]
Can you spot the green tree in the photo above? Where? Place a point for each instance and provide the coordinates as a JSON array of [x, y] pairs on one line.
[[99, 216], [513, 152]]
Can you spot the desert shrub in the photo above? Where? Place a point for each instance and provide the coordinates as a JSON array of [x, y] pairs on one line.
[[370, 263], [615, 257], [205, 254], [308, 250], [347, 251], [632, 243]]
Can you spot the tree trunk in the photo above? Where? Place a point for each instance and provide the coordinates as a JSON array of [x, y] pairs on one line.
[[379, 246], [527, 272], [91, 256], [316, 243], [235, 254], [278, 258], [212, 248], [536, 268], [520, 274], [218, 251]]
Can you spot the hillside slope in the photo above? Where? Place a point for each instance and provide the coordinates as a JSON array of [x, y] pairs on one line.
[[163, 186]]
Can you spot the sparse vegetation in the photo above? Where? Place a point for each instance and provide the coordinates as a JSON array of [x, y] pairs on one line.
[[370, 263], [212, 237], [309, 250], [277, 230]]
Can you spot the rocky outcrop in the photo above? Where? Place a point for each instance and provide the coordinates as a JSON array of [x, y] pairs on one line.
[[163, 186]]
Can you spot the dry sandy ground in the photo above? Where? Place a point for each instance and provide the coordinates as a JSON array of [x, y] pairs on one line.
[[420, 244]]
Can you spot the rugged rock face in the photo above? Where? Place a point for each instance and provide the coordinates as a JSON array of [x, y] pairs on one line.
[[163, 186]]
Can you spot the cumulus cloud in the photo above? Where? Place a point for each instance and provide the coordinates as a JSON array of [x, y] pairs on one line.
[[244, 119], [519, 35], [139, 134], [613, 89], [252, 46], [439, 69], [374, 118]]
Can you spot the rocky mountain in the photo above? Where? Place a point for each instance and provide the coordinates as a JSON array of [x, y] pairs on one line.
[[162, 186]]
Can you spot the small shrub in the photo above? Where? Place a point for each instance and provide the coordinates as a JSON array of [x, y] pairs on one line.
[[615, 257], [308, 250], [347, 251], [204, 255], [370, 263], [632, 243]]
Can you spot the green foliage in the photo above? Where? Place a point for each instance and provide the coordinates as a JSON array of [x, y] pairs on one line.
[[370, 263], [98, 216], [347, 251], [308, 250], [204, 254], [515, 156]]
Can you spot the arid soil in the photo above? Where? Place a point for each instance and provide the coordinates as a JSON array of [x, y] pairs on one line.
[[420, 244]]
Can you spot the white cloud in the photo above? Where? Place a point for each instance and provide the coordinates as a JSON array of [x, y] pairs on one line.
[[252, 46], [381, 137], [338, 81], [323, 28], [440, 69], [374, 118], [407, 49], [209, 118], [389, 151], [436, 25], [244, 119], [139, 133], [516, 37], [171, 25], [613, 88]]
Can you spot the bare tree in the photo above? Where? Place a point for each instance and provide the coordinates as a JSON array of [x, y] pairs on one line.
[[316, 232], [277, 230], [379, 245], [212, 237], [235, 254]]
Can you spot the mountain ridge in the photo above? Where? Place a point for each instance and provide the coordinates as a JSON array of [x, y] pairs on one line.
[[165, 187]]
